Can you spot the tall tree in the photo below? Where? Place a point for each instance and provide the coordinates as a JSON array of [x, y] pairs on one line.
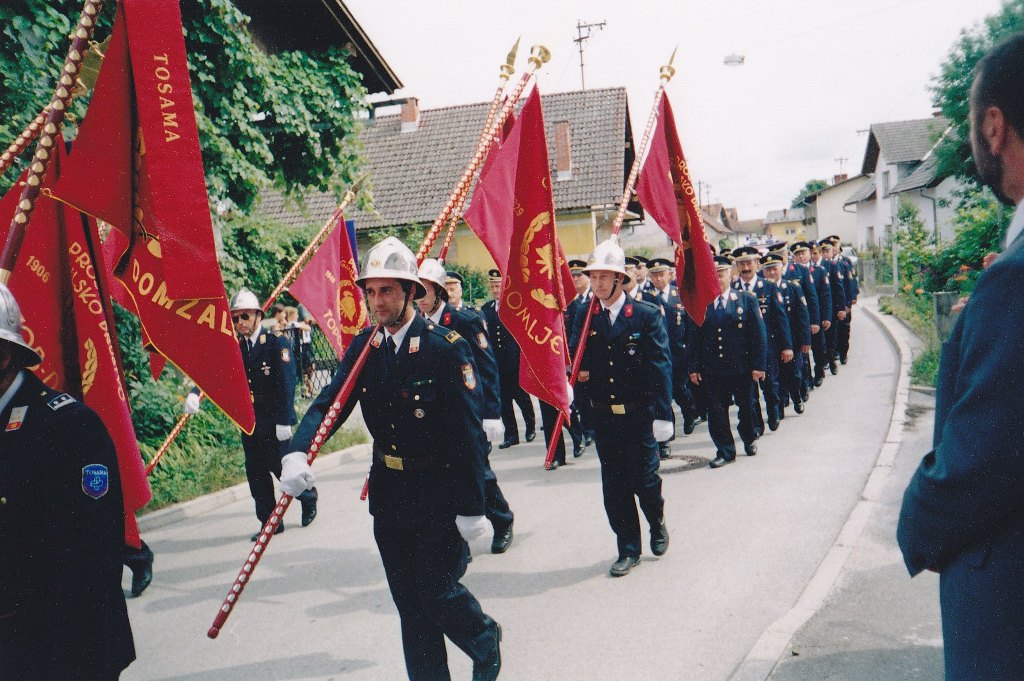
[[810, 187]]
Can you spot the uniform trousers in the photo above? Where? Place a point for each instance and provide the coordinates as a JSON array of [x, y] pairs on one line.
[[770, 387], [721, 390], [512, 393], [831, 339], [629, 467], [791, 380], [681, 392], [548, 416], [843, 336], [496, 508], [423, 566], [262, 459], [819, 347]]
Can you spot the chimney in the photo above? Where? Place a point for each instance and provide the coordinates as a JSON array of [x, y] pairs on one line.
[[563, 151], [410, 114], [842, 177]]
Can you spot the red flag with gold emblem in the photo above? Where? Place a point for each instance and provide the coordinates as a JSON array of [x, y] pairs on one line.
[[326, 287], [58, 282], [136, 165], [667, 194], [518, 209]]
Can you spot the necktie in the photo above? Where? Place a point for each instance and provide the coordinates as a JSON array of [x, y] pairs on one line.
[[389, 355], [746, 286]]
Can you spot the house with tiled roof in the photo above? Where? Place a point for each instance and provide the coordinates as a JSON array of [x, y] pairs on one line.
[[788, 224], [899, 160], [415, 158], [827, 211]]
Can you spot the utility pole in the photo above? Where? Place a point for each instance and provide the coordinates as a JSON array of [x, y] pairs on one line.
[[580, 39], [841, 160], [701, 188]]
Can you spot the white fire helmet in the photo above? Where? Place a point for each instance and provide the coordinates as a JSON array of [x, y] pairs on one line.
[[10, 329], [391, 259], [608, 256], [245, 300], [433, 271]]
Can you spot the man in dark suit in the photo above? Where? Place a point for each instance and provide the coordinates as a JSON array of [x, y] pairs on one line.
[[799, 271], [822, 256], [848, 275], [581, 282], [434, 308], [780, 340], [270, 369], [963, 511], [624, 388], [730, 354], [506, 351], [62, 611], [794, 302], [420, 398]]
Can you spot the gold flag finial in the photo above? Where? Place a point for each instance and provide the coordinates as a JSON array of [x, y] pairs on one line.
[[667, 71], [539, 55], [509, 67]]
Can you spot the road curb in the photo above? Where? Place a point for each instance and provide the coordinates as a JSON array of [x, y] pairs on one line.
[[210, 502], [763, 657]]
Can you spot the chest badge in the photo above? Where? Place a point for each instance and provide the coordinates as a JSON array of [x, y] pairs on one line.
[[17, 418], [414, 345], [419, 413], [285, 355], [95, 480]]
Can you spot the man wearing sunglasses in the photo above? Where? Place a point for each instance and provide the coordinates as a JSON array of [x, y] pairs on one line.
[[269, 367]]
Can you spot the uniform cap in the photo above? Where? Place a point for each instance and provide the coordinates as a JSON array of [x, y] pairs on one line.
[[834, 239], [391, 259], [641, 260], [577, 266], [10, 329], [655, 265], [772, 258], [631, 261], [608, 257], [799, 246], [723, 262], [746, 254], [825, 243], [245, 300], [494, 274]]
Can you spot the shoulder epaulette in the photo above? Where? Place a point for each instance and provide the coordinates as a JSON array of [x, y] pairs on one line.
[[60, 401]]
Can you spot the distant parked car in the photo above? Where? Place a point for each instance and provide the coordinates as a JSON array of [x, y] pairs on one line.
[[850, 253]]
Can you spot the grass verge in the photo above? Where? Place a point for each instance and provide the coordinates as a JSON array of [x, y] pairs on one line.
[[918, 314]]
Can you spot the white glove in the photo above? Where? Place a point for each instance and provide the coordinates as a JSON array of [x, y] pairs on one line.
[[284, 433], [192, 404], [296, 476], [494, 429], [470, 526], [571, 392], [663, 430]]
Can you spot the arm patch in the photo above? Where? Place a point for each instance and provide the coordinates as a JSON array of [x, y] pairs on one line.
[[452, 336]]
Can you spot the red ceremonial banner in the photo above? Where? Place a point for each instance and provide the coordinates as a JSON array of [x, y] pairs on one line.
[[326, 287], [136, 166], [532, 295], [144, 87], [57, 281], [667, 194]]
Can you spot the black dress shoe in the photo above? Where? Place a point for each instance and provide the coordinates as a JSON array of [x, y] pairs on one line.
[[279, 530], [659, 539], [577, 450], [141, 564], [833, 368], [502, 540], [555, 464], [688, 427], [587, 439], [622, 566], [719, 461], [508, 443], [773, 423], [750, 448], [530, 436], [664, 450], [804, 396], [488, 668], [798, 407], [842, 360], [308, 512], [818, 380]]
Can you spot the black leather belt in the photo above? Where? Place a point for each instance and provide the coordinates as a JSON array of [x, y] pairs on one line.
[[407, 464], [623, 408]]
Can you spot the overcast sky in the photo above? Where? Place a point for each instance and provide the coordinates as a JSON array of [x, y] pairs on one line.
[[816, 71]]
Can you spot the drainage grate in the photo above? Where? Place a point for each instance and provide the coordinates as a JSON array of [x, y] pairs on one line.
[[678, 463]]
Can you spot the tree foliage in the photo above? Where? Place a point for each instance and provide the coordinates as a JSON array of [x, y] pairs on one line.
[[811, 187], [951, 87], [285, 119]]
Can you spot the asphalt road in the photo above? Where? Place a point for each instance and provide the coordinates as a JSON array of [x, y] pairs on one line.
[[746, 539]]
